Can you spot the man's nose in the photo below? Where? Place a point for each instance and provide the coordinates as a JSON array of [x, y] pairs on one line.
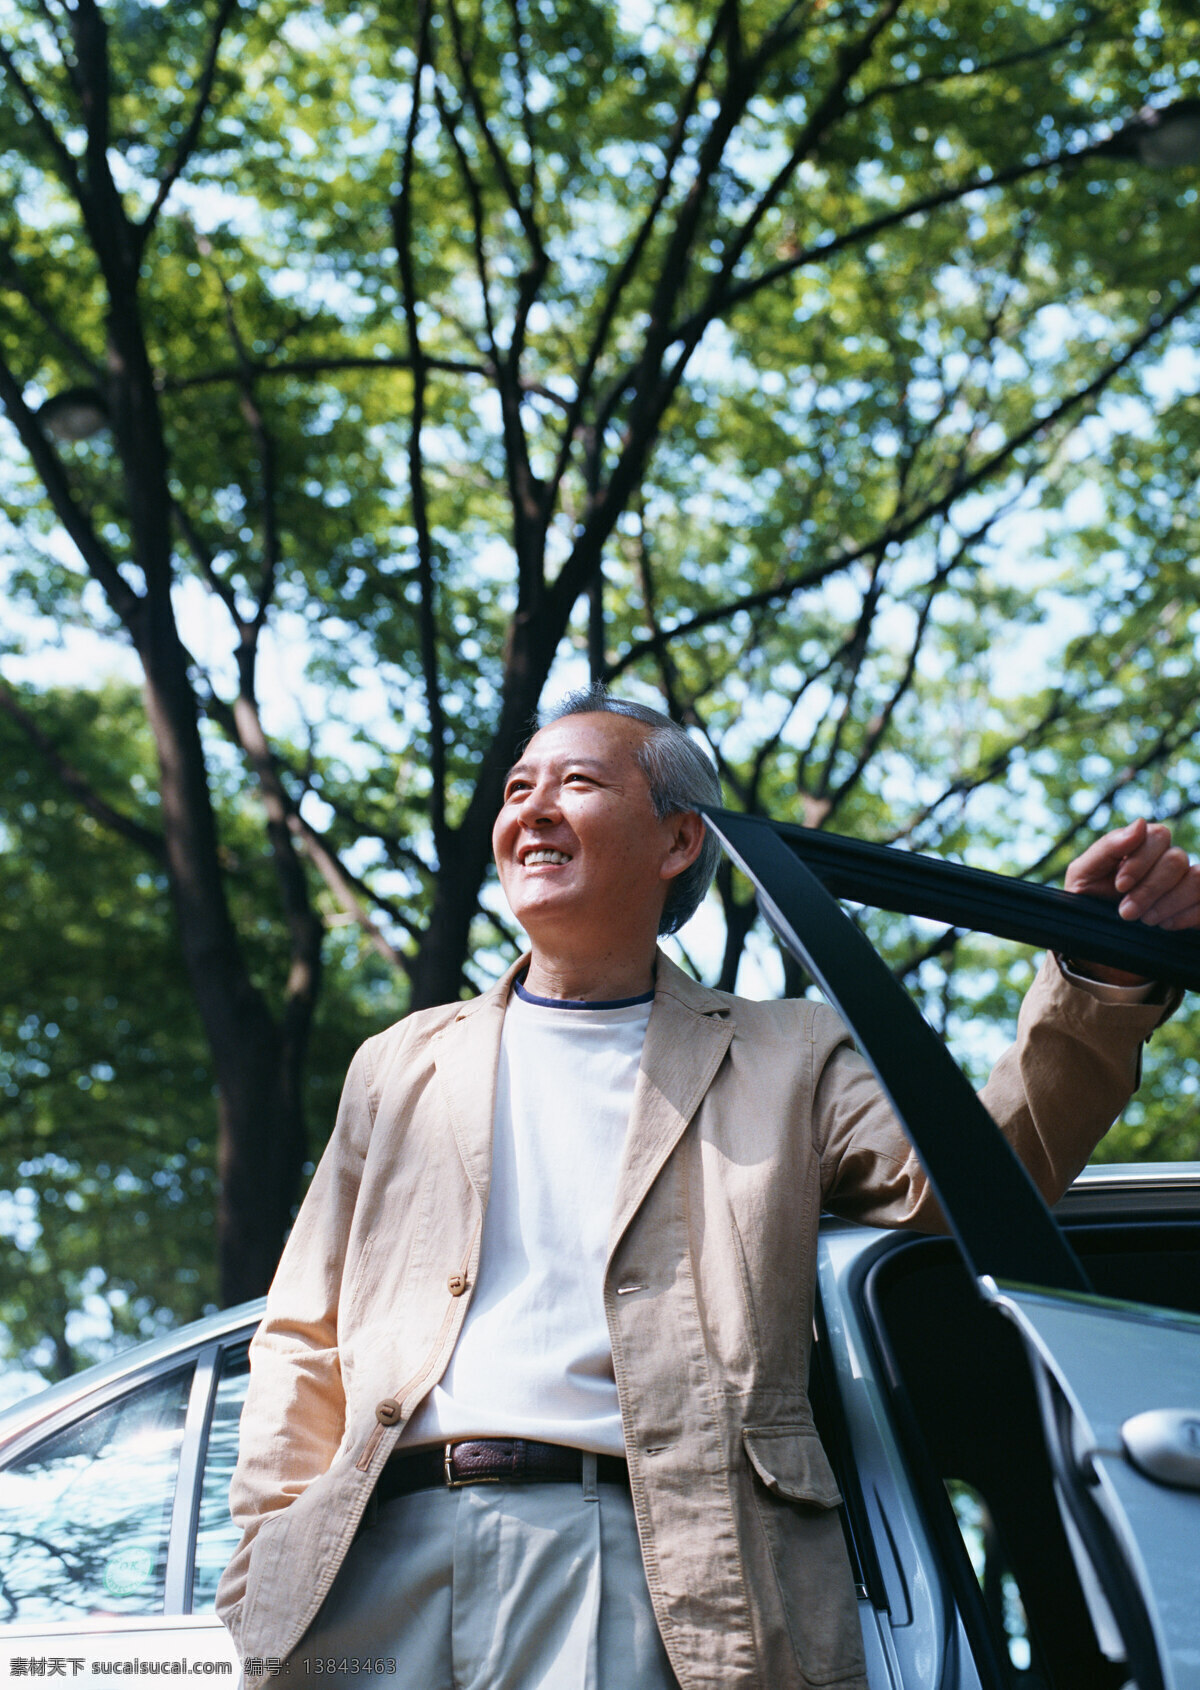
[[539, 804]]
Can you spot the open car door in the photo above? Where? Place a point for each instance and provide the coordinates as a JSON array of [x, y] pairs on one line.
[[1118, 1383]]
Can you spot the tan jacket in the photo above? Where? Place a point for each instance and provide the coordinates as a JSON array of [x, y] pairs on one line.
[[748, 1119]]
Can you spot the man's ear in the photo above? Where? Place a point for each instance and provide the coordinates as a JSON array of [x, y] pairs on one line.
[[687, 838]]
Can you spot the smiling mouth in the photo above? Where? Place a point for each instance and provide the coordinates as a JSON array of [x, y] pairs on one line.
[[543, 855]]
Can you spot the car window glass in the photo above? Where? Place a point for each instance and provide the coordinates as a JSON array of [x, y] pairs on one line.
[[1001, 1594], [216, 1535], [85, 1516]]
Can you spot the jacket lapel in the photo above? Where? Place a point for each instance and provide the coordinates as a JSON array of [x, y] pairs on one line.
[[689, 1032], [467, 1057]]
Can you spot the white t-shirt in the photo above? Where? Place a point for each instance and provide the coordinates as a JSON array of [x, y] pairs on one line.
[[533, 1359]]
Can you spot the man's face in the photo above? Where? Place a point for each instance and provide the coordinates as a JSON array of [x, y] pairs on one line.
[[577, 843]]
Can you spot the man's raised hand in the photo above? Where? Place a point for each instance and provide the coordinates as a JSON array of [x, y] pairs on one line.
[[1139, 869]]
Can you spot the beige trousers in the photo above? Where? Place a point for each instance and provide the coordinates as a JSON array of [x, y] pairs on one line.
[[491, 1587]]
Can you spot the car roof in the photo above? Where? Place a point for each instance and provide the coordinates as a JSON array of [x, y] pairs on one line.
[[1129, 1190], [152, 1357]]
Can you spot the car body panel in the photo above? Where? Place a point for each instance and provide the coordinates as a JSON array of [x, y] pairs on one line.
[[194, 1645], [1100, 1365]]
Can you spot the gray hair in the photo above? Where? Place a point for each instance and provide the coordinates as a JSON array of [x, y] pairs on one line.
[[680, 777]]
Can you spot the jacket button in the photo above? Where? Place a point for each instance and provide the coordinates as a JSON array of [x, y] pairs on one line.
[[457, 1284], [388, 1412]]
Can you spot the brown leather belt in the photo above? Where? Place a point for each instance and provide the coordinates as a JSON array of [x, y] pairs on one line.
[[484, 1461]]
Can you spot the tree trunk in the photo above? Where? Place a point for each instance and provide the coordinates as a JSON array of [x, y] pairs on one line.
[[261, 1137], [261, 1148]]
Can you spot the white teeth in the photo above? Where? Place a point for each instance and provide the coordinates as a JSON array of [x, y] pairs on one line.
[[545, 856]]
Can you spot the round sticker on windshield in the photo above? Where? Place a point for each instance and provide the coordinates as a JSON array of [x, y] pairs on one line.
[[128, 1570]]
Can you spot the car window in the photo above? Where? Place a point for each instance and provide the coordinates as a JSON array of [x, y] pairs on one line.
[[1002, 1599], [85, 1516], [216, 1534]]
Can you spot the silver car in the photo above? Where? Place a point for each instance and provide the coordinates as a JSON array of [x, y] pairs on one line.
[[114, 1511], [1013, 1414]]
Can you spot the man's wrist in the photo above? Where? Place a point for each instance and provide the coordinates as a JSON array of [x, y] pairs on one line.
[[1102, 972], [1123, 987]]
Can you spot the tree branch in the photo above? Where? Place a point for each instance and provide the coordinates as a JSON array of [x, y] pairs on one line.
[[265, 444], [74, 348], [527, 497], [427, 612], [90, 32], [862, 233], [831, 106], [880, 723], [76, 783], [241, 725], [667, 672], [352, 894], [123, 600], [1178, 733], [508, 182], [522, 62], [654, 388], [63, 161], [191, 134], [965, 785], [857, 649], [203, 554], [261, 369], [629, 265], [740, 86], [939, 79], [54, 25], [961, 483]]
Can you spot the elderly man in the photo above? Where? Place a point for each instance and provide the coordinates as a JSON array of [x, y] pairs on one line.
[[528, 1408]]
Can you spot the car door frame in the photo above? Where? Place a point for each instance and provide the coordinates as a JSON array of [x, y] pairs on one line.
[[1004, 1230]]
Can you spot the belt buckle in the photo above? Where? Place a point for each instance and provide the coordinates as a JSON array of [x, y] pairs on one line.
[[468, 1478]]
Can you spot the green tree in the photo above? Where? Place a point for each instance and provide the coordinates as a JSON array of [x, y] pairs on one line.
[[729, 350], [105, 1073]]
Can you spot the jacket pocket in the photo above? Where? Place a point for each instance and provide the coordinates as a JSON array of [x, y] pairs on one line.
[[796, 1498], [791, 1462]]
